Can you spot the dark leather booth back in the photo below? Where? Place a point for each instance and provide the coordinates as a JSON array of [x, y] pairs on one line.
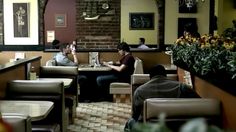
[[18, 122], [40, 90], [180, 110], [62, 72]]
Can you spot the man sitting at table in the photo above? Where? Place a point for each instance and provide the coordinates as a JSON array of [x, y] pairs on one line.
[[122, 70], [62, 59]]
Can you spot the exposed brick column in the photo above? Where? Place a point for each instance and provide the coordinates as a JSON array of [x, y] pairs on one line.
[[161, 22], [42, 6], [102, 33]]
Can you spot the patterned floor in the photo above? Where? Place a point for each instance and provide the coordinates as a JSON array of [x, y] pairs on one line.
[[100, 117]]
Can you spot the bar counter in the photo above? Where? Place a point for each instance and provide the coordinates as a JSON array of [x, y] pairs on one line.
[[17, 70], [17, 63]]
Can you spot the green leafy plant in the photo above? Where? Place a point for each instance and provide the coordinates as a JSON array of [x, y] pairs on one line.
[[210, 57], [152, 127], [194, 125]]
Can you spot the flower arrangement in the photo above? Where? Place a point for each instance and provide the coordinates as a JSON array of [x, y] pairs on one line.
[[210, 56]]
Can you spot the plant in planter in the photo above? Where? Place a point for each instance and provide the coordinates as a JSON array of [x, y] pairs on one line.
[[194, 125], [211, 57]]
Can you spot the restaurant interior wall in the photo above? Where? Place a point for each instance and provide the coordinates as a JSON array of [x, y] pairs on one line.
[[225, 12], [149, 58], [64, 34], [138, 6], [172, 14]]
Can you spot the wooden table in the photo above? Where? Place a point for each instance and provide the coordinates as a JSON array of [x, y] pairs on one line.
[[66, 81], [37, 110], [87, 67]]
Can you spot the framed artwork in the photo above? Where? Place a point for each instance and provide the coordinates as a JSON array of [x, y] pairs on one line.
[[182, 22], [21, 27], [141, 21], [21, 19], [60, 20], [183, 7]]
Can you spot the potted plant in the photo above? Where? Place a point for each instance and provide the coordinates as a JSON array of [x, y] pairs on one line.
[[209, 57]]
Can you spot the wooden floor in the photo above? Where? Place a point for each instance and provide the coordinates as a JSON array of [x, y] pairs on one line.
[[100, 117]]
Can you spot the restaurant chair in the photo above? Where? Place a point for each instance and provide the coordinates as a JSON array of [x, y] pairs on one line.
[[36, 90], [71, 93], [121, 91], [18, 122], [180, 110]]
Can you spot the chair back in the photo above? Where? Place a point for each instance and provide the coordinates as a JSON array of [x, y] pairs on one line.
[[63, 72], [179, 110], [40, 90], [18, 122], [138, 66]]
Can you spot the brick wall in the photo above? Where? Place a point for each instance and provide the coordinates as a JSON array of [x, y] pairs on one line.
[[101, 33], [104, 32], [42, 5]]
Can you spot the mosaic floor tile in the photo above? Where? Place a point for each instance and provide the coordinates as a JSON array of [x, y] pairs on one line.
[[100, 117]]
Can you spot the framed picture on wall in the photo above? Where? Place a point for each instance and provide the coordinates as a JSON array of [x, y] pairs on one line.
[[182, 22], [185, 7], [141, 21], [60, 20], [21, 19], [21, 24]]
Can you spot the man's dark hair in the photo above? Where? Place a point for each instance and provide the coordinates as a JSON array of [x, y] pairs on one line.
[[63, 46], [123, 46], [55, 43], [157, 70], [142, 40]]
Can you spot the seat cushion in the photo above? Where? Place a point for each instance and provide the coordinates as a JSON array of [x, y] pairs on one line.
[[120, 88], [140, 78], [119, 85]]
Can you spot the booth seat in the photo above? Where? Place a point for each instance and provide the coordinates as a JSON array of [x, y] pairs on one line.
[[122, 91], [71, 93], [180, 110], [41, 91], [18, 122], [62, 72], [177, 110]]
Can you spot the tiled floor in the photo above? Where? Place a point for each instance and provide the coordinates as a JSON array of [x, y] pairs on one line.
[[100, 117]]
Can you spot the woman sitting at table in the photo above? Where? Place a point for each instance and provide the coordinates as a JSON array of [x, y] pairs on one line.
[[122, 70]]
